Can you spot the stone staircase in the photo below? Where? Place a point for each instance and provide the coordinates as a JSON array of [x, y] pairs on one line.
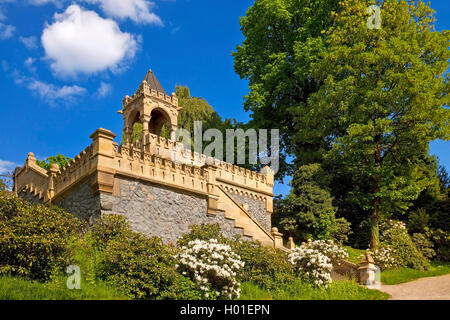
[[251, 228]]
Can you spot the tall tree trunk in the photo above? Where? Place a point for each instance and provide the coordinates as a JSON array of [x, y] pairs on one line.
[[374, 230]]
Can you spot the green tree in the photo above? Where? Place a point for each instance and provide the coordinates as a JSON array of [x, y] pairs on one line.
[[59, 159], [382, 101], [307, 212], [282, 41]]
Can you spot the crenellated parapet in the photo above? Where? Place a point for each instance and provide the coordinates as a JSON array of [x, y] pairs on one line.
[[79, 168], [144, 91]]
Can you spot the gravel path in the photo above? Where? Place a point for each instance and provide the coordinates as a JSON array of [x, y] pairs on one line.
[[433, 288]]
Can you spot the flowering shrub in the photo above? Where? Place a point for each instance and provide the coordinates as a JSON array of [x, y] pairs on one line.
[[329, 249], [387, 225], [212, 266], [384, 257], [312, 265], [395, 234]]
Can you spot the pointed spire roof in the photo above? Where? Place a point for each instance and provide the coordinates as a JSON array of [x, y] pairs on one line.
[[153, 82]]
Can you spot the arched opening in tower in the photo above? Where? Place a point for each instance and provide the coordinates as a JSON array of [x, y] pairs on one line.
[[159, 123]]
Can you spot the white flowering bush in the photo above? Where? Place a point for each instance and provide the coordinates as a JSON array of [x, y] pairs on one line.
[[384, 257], [212, 266], [329, 249], [387, 225], [312, 265]]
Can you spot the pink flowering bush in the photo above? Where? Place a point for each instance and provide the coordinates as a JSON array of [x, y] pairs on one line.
[[212, 266]]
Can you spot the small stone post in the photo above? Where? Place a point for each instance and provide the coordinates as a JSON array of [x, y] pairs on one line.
[[290, 244], [278, 238], [367, 270]]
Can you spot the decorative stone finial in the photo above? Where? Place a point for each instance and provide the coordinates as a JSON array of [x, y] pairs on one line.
[[367, 258], [274, 229]]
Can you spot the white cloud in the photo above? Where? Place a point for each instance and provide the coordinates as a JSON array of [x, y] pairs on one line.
[[48, 92], [29, 42], [104, 89], [29, 63], [7, 166], [79, 41], [139, 11], [6, 31]]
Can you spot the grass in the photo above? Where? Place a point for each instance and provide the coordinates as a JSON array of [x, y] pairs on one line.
[[402, 275], [298, 290], [354, 255], [16, 288]]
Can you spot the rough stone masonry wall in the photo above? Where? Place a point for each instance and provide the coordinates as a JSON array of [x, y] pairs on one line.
[[81, 203], [257, 208], [30, 197], [163, 212]]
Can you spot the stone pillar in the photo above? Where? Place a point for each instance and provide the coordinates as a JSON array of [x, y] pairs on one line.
[[290, 243], [278, 238], [213, 198], [269, 173], [367, 270], [127, 132], [31, 160], [145, 119], [102, 157], [51, 181], [173, 132]]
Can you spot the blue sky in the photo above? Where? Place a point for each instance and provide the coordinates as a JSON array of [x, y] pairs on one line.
[[67, 64]]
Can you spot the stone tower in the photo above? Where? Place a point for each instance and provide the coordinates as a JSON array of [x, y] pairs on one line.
[[151, 106]]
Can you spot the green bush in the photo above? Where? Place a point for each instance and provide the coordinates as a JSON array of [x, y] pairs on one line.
[[267, 267], [441, 239], [35, 239], [424, 245], [142, 268], [394, 234]]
